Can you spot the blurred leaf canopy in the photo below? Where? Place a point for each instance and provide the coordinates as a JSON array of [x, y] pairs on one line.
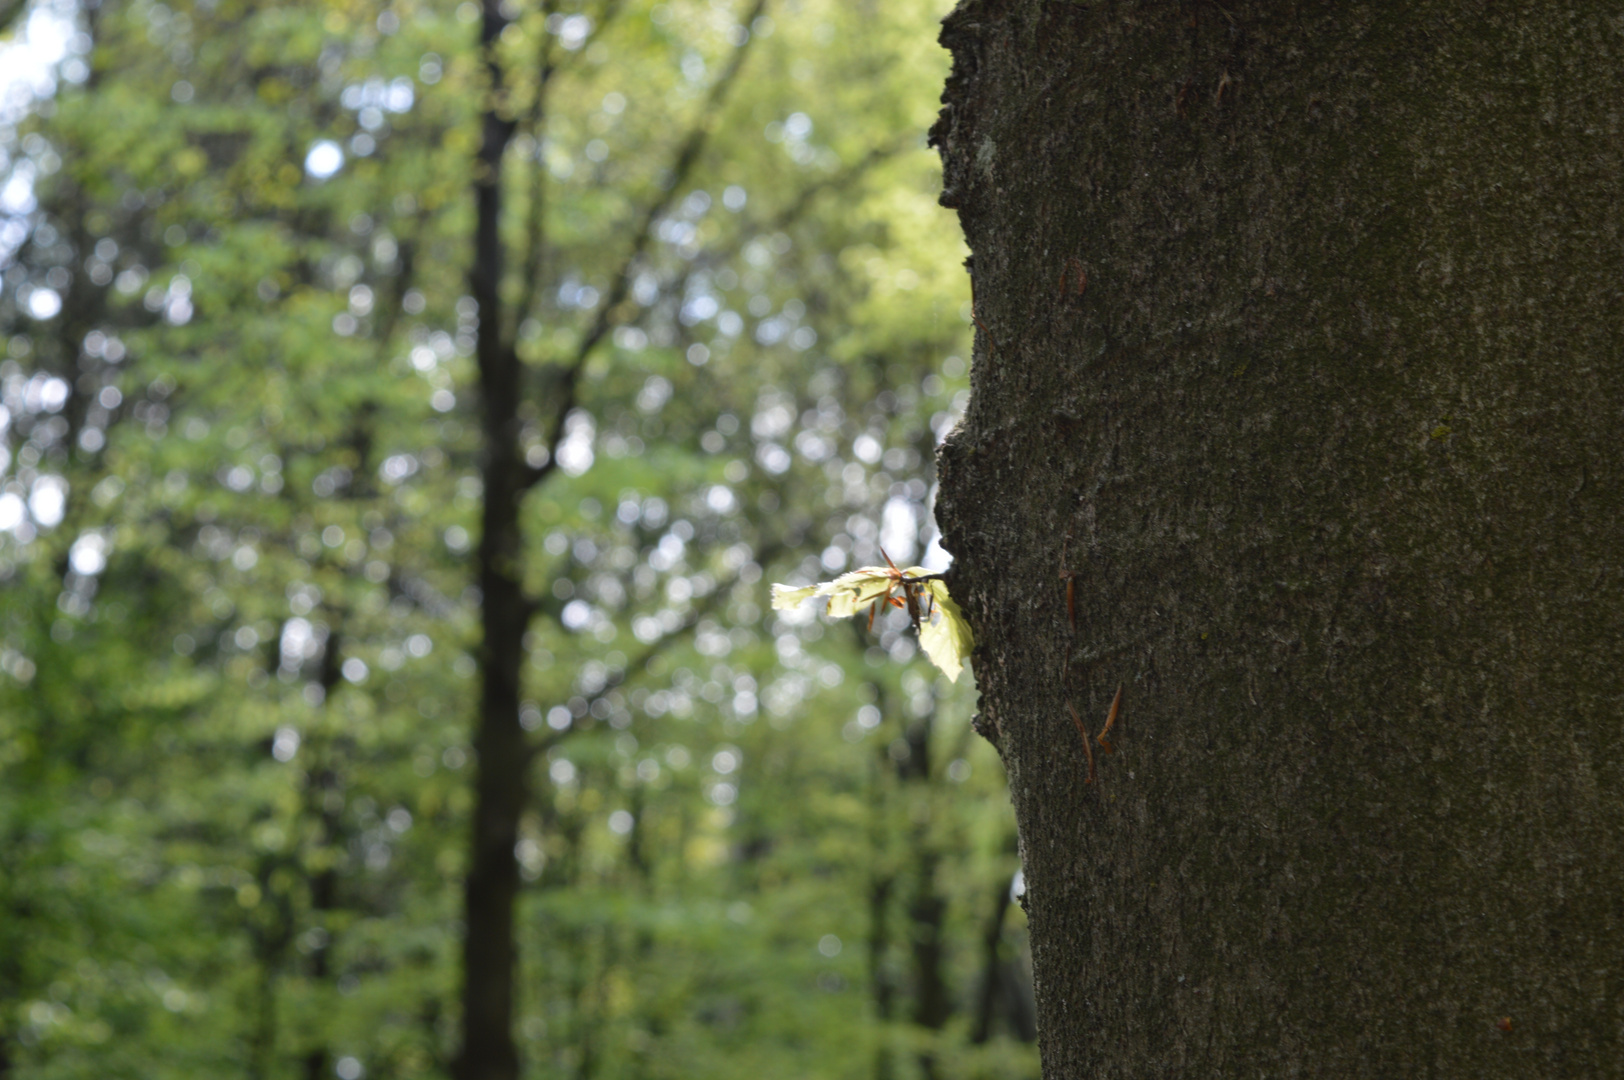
[[241, 443]]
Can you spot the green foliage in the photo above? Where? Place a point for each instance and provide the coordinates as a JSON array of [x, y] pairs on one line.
[[239, 497]]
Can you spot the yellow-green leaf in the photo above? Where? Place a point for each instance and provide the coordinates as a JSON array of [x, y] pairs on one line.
[[946, 636], [857, 589], [786, 596]]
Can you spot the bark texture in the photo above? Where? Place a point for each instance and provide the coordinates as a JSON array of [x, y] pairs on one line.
[[1330, 441]]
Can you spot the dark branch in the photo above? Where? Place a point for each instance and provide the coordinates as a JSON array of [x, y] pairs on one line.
[[535, 226], [640, 662], [792, 213], [686, 158], [785, 217], [9, 10]]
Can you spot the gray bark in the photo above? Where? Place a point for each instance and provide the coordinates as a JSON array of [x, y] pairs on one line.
[[1333, 431]]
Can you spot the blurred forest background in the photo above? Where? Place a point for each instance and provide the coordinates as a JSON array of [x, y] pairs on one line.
[[283, 462]]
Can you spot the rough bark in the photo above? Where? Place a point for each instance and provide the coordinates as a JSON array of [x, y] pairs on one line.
[[1332, 431]]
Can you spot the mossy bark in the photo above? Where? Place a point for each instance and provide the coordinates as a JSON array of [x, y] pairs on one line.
[[1330, 440]]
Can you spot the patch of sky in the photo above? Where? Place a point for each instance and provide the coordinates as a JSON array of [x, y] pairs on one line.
[[324, 159]]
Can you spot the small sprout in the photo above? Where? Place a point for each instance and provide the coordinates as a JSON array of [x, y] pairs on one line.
[[1087, 747], [943, 633], [1116, 704]]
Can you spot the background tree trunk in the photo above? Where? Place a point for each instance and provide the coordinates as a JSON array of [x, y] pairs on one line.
[[1332, 429]]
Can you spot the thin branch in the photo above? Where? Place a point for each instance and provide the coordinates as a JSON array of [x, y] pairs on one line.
[[535, 226], [9, 10], [792, 213], [606, 15], [533, 269], [785, 217], [540, 746], [640, 662], [687, 157]]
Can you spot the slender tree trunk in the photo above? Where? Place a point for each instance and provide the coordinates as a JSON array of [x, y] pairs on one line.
[[1300, 348], [992, 966], [262, 1037], [323, 901], [926, 913], [488, 1050], [881, 883], [880, 984], [17, 912], [502, 751], [927, 910]]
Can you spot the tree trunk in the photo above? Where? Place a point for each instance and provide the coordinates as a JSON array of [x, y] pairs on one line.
[[501, 754], [1300, 348], [992, 966]]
